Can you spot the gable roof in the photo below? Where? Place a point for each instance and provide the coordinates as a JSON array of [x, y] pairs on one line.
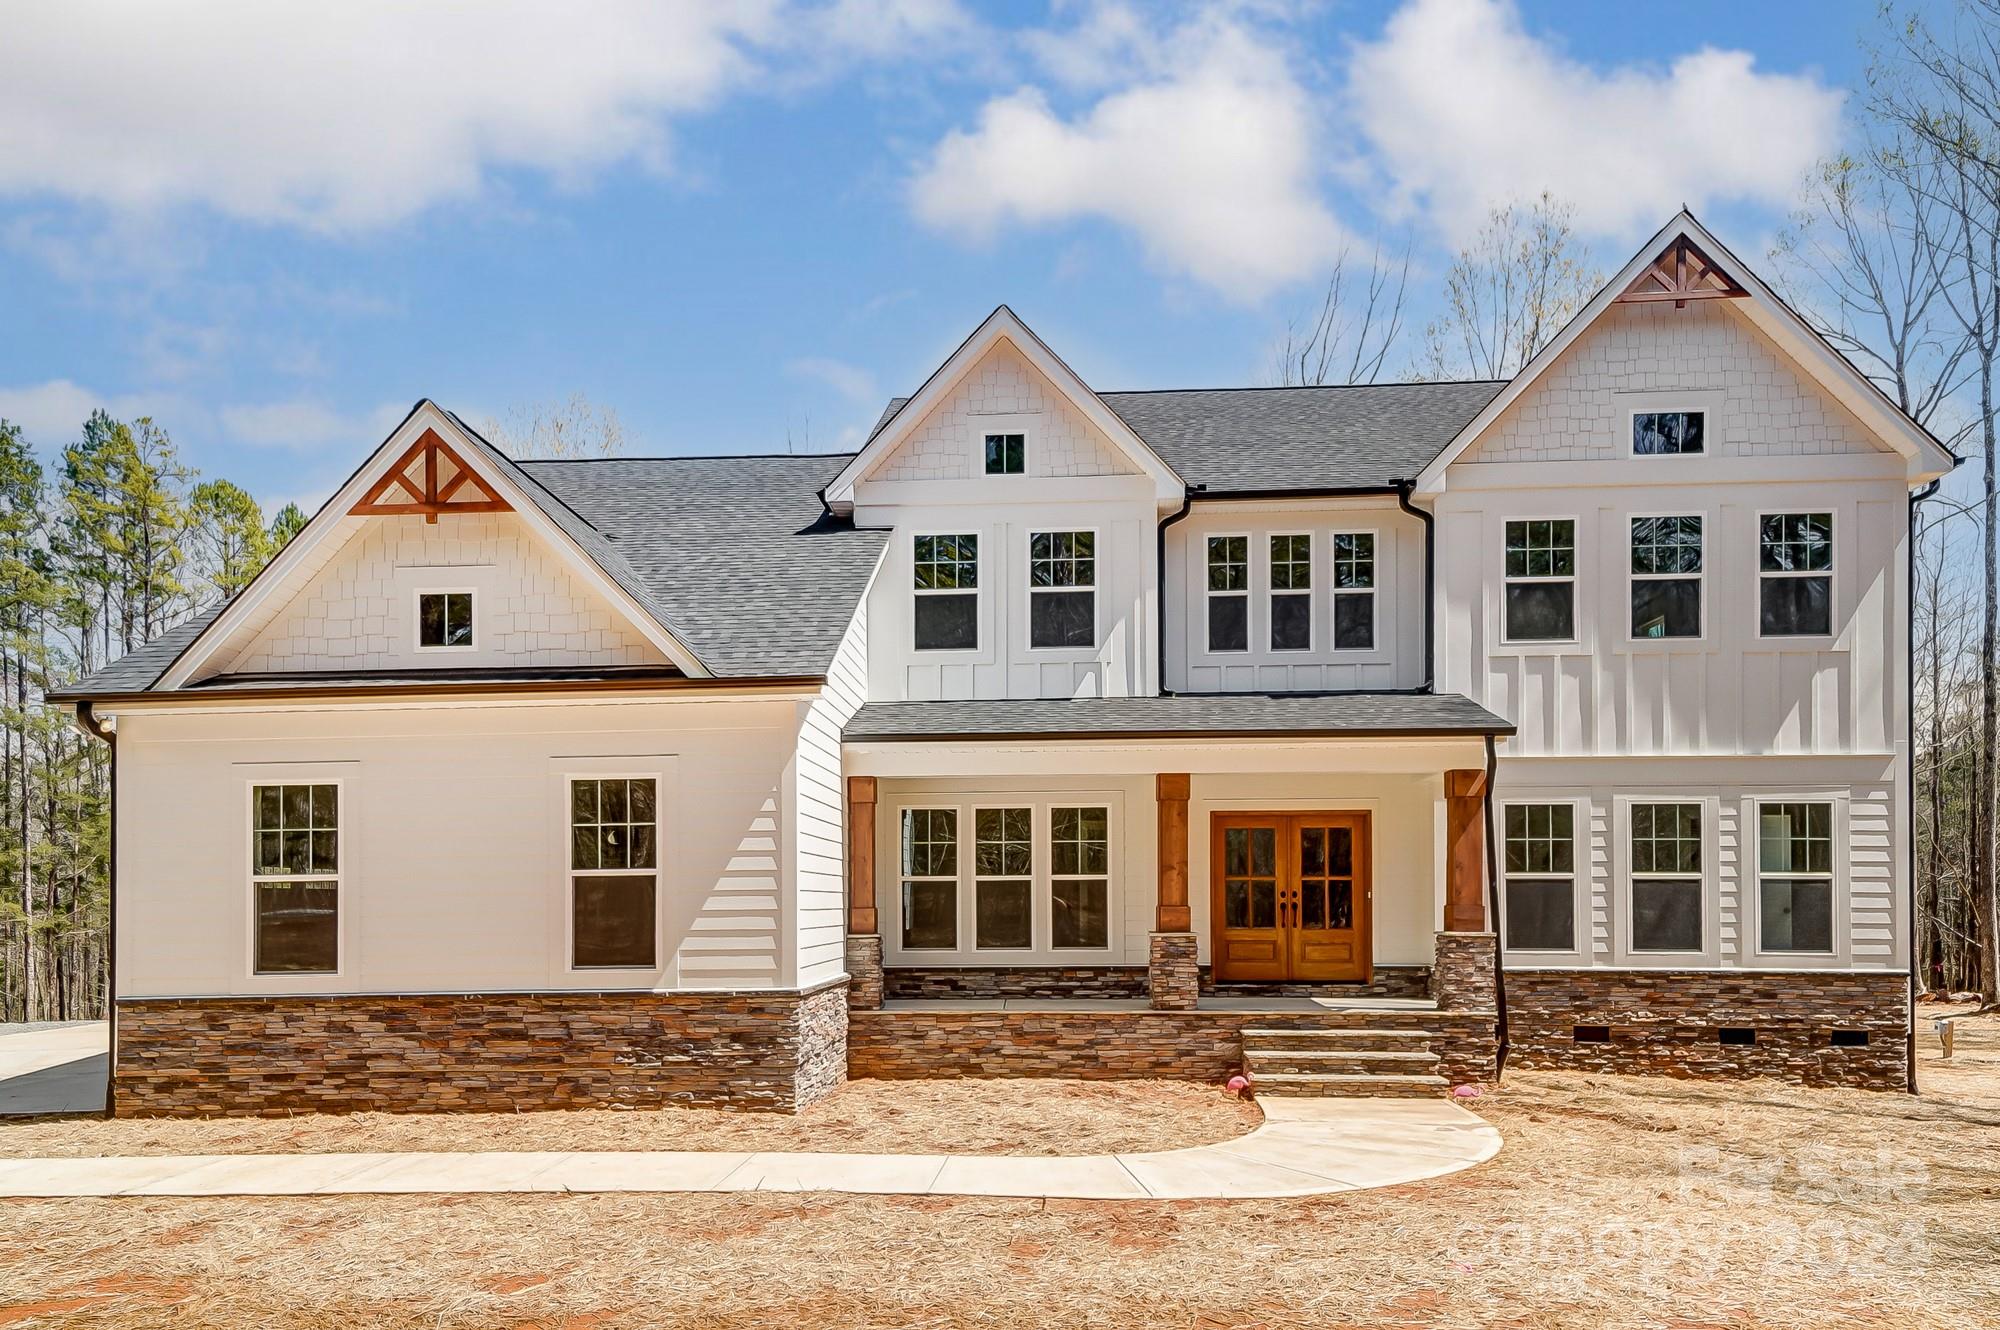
[[1765, 310], [906, 414]]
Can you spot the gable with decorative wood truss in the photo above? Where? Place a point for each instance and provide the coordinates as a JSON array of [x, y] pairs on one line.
[[429, 479]]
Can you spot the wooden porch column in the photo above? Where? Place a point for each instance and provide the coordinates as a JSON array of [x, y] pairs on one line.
[[1465, 851], [861, 856], [1171, 790]]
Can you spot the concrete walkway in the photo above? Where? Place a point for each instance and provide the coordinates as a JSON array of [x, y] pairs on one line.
[[1305, 1147], [53, 1067]]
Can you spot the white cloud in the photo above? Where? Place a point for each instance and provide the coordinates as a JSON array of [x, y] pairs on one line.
[[850, 381], [363, 112], [305, 424], [51, 414], [1208, 157], [1465, 110]]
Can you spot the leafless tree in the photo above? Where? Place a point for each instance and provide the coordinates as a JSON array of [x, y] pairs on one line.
[[1340, 344], [575, 428], [1509, 293]]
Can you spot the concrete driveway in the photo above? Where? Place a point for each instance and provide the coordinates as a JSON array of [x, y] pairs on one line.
[[53, 1067]]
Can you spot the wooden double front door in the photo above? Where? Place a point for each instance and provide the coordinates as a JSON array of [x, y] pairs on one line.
[[1291, 896]]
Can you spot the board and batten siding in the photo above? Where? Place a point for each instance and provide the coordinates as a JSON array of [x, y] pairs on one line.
[[820, 794], [454, 831], [1395, 661]]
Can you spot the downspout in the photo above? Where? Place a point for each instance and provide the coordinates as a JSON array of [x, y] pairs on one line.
[[1160, 567], [1910, 772], [1493, 914], [1403, 490], [86, 716]]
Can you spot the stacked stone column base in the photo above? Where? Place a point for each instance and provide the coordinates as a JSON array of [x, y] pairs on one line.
[[1462, 976], [1172, 977], [864, 972]]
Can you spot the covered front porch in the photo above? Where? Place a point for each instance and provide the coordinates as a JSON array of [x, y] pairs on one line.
[[1018, 898]]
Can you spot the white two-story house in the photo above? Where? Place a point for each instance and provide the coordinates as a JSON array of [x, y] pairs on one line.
[[1371, 738]]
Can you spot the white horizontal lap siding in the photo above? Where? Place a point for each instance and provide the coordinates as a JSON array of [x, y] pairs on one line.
[[1870, 881], [821, 800], [1395, 661], [454, 842]]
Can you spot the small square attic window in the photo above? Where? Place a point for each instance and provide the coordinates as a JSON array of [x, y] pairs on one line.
[[1668, 433], [1006, 454], [444, 620]]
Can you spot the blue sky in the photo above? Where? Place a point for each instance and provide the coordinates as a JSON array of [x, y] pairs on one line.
[[274, 227]]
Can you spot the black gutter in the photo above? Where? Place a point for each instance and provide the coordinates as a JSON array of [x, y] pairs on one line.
[[1910, 773], [1401, 489], [1493, 912], [87, 718], [1160, 568]]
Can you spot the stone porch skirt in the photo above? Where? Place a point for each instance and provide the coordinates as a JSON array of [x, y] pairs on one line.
[[501, 1052]]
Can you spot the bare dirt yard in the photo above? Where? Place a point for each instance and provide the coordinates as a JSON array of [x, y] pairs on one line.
[[1617, 1202]]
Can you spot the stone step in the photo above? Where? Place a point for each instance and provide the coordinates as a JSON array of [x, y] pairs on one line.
[[1328, 1085], [1334, 1037], [1350, 1061]]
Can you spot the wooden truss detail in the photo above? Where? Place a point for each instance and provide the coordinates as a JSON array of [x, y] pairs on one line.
[[1682, 273], [430, 478]]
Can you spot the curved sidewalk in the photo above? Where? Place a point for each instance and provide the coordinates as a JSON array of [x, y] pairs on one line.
[[1305, 1147]]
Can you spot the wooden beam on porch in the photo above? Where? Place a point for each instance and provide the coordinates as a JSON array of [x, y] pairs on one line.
[[1465, 851], [1171, 789], [861, 856]]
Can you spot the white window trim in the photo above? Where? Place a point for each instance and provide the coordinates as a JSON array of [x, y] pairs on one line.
[[1025, 425], [1624, 953], [1580, 895], [965, 884], [1096, 588], [1575, 580], [1832, 575], [978, 593], [968, 905], [417, 595], [658, 872], [344, 898], [1247, 594], [1311, 593], [892, 940], [1632, 579], [1751, 892], [1334, 592]]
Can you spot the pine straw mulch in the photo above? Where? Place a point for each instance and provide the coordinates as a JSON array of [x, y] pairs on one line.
[[1042, 1117], [1617, 1202]]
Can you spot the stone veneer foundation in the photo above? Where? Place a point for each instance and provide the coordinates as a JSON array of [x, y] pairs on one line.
[[1668, 1022], [491, 1052]]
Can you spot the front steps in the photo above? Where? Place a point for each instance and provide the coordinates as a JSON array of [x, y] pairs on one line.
[[1332, 1060]]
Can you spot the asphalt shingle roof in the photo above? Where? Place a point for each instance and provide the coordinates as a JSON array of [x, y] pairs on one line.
[[738, 552], [1188, 714], [141, 667]]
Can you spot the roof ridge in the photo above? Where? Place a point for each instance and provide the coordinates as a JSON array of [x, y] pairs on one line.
[[680, 457], [1306, 387]]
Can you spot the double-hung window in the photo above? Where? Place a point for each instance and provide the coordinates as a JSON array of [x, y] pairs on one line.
[[1079, 877], [1666, 576], [1668, 433], [1062, 589], [1795, 575], [1666, 877], [930, 879], [1540, 604], [1229, 593], [1291, 592], [1541, 877], [614, 872], [946, 575], [1795, 876], [1353, 590], [1003, 882], [295, 877]]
